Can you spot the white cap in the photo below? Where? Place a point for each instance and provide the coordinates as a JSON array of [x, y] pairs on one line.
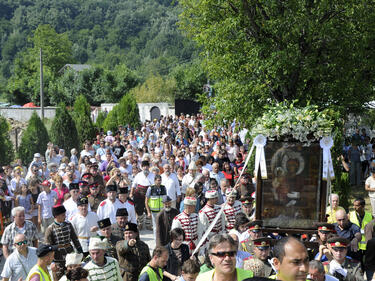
[[96, 243], [109, 133], [231, 192], [62, 166], [211, 194], [37, 155], [73, 258], [190, 201]]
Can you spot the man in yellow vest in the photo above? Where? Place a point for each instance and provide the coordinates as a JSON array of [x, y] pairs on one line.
[[222, 251], [155, 195], [153, 271], [39, 272], [361, 218]]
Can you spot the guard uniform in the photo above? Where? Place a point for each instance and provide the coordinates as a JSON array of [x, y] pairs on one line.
[[247, 244], [230, 211], [189, 223], [112, 239], [324, 228], [129, 205], [107, 208], [350, 270], [263, 243], [132, 259], [82, 225], [208, 213], [61, 235], [94, 201], [117, 230]]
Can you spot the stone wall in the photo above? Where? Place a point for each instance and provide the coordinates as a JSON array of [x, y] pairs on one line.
[[23, 114], [145, 110]]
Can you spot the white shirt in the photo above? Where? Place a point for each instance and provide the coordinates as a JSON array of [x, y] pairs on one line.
[[172, 185], [141, 179], [72, 208], [82, 226], [107, 209], [131, 211], [17, 266], [188, 181], [47, 201], [370, 181]]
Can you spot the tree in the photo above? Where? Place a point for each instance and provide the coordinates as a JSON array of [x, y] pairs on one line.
[[262, 51], [63, 130], [34, 139], [125, 113], [100, 120], [6, 146], [155, 89], [82, 118]]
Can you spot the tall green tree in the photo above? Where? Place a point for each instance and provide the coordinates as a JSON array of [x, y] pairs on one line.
[[34, 139], [262, 51], [82, 118], [63, 130], [6, 146]]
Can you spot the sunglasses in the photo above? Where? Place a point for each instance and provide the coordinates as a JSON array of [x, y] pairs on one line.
[[225, 254], [24, 242]]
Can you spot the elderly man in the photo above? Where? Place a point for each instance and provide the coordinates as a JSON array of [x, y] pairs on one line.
[[348, 230], [222, 252], [121, 219], [317, 273], [154, 269], [216, 173], [40, 272], [101, 267], [133, 253], [20, 262], [331, 210], [189, 179], [291, 260], [164, 221], [342, 267], [20, 225]]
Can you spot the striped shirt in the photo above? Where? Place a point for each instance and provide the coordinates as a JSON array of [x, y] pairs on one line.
[[110, 271]]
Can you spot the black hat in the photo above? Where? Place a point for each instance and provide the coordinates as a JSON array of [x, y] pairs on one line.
[[83, 183], [262, 243], [111, 187], [167, 199], [123, 190], [338, 242], [45, 249], [73, 186], [122, 212], [131, 226], [86, 176], [58, 210], [82, 201], [255, 225], [247, 200], [326, 227], [145, 163], [93, 185], [104, 223]]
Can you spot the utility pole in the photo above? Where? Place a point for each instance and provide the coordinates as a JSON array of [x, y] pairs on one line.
[[41, 85]]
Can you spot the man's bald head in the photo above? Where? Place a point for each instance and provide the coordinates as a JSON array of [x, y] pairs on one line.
[[19, 238], [342, 218]]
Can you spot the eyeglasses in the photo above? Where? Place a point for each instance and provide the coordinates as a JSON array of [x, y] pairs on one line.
[[230, 254], [24, 242]]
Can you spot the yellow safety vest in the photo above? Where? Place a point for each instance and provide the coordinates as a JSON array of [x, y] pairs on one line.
[[241, 275], [43, 276], [366, 219], [156, 200], [152, 274]]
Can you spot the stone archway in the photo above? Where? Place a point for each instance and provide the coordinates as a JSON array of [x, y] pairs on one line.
[[155, 113]]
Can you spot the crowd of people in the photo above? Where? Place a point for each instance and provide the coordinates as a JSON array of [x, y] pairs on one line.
[[80, 217]]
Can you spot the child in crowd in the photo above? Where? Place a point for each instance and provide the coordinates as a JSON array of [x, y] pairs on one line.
[[190, 270]]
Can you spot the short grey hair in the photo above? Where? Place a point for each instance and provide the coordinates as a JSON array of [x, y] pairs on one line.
[[221, 238], [16, 210], [314, 264]]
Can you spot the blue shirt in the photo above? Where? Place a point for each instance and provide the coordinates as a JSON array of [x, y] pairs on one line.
[[349, 232]]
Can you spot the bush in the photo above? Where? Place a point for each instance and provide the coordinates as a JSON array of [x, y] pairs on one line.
[[82, 118], [100, 120], [34, 139], [63, 131], [6, 146]]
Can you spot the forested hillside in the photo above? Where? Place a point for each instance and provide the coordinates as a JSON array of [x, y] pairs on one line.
[[126, 42]]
